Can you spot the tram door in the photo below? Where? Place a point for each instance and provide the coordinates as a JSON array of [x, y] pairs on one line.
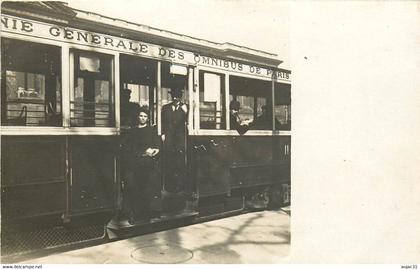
[[173, 128], [160, 190]]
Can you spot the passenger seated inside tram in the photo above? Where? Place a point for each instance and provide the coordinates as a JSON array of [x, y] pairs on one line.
[[265, 120], [140, 146], [127, 108], [242, 126]]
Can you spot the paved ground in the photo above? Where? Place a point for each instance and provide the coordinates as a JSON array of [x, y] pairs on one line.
[[257, 237]]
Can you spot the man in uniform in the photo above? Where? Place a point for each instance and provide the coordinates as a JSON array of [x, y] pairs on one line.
[[174, 136]]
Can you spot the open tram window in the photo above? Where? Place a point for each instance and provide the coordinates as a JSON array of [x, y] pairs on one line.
[[282, 106], [255, 99], [212, 101], [92, 98], [31, 84]]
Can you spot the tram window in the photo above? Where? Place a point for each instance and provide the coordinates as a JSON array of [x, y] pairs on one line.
[[31, 84], [212, 100], [255, 98], [282, 106], [92, 99]]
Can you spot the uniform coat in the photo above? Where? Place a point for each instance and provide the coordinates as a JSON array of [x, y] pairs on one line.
[[174, 127]]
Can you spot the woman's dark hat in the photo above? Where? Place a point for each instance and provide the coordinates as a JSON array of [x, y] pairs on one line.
[[144, 109]]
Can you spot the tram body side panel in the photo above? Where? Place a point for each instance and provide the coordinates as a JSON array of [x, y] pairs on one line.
[[252, 161], [93, 164], [34, 179], [210, 158], [221, 164], [46, 204], [282, 159]]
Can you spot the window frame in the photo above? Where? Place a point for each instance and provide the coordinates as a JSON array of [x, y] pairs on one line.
[[196, 131], [223, 98], [39, 69], [115, 84], [269, 98], [193, 83], [289, 109], [73, 52], [154, 111], [66, 74]]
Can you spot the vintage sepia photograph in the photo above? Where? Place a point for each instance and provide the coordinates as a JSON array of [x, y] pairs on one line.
[[267, 133], [131, 140]]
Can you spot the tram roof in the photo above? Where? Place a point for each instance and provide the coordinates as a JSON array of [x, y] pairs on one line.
[[60, 13]]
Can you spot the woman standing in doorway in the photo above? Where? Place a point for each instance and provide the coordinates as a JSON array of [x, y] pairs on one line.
[[140, 146]]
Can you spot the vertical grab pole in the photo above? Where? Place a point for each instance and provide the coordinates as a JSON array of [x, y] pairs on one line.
[[191, 102], [227, 94], [66, 84], [273, 116], [196, 108], [67, 67], [116, 81], [66, 215], [189, 129], [159, 119], [159, 96], [117, 109]]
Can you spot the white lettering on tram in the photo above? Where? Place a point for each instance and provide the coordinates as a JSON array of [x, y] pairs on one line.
[[199, 59], [230, 65], [171, 53], [105, 41], [17, 24]]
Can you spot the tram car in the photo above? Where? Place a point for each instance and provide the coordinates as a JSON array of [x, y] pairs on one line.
[[65, 75]]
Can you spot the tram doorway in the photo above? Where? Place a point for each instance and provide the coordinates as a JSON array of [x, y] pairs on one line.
[[161, 191]]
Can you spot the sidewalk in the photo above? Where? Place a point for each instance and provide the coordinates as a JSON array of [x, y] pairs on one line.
[[257, 237]]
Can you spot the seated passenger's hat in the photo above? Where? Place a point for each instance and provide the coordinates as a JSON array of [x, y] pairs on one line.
[[235, 105]]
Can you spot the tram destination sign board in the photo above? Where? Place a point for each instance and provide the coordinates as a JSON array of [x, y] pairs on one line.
[[43, 30]]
